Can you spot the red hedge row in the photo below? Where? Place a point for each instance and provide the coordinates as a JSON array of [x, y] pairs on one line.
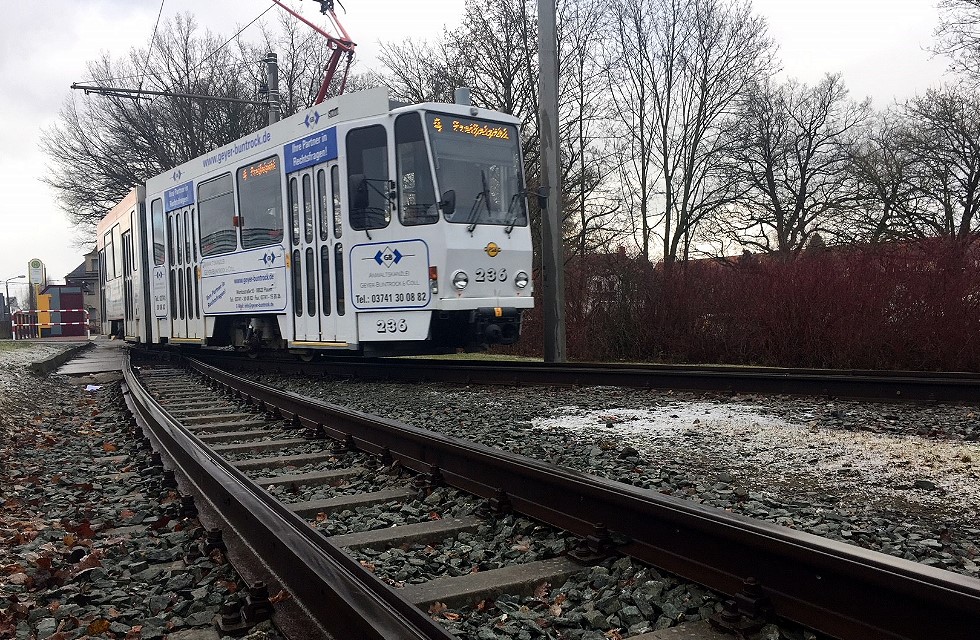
[[911, 306]]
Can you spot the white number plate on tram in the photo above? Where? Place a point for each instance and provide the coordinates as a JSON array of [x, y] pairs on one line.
[[393, 325]]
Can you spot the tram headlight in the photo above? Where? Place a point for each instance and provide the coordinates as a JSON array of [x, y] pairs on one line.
[[521, 279], [460, 280]]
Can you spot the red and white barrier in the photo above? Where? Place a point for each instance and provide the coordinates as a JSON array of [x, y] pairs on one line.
[[25, 324]]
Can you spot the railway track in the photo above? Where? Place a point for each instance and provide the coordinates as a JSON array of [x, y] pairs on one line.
[[861, 384], [235, 442]]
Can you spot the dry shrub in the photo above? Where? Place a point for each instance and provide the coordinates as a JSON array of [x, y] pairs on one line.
[[908, 306]]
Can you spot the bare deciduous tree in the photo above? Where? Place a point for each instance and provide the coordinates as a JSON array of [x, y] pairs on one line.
[[958, 36], [631, 77], [104, 145], [684, 63], [883, 164], [420, 71], [588, 170], [494, 53], [944, 136], [794, 163]]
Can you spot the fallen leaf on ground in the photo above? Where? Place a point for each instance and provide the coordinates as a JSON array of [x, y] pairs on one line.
[[279, 597], [436, 608], [97, 627]]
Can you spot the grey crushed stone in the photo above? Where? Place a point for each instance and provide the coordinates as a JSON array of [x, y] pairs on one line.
[[616, 598], [92, 543], [903, 479]]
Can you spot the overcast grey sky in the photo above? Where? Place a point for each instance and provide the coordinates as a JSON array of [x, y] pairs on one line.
[[878, 46]]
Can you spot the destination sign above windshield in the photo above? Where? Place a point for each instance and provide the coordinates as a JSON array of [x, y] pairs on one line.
[[447, 125]]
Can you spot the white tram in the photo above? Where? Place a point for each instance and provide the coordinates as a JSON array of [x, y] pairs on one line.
[[355, 225]]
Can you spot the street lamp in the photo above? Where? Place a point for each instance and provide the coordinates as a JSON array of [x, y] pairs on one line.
[[6, 286]]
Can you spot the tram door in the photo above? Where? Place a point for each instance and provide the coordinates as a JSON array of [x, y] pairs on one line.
[[311, 198], [185, 305]]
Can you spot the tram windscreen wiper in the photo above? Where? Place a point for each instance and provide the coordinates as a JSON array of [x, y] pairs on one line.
[[511, 214], [483, 195]]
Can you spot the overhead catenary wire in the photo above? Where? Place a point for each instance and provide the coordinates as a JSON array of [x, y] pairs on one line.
[[229, 40], [228, 65], [139, 92], [149, 47]]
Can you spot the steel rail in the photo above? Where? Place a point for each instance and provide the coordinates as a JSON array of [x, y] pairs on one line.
[[836, 588], [333, 590], [858, 384]]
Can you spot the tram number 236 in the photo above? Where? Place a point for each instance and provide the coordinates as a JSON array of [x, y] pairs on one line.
[[491, 275], [392, 325]]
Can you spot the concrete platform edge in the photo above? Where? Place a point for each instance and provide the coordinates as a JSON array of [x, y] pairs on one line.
[[44, 367]]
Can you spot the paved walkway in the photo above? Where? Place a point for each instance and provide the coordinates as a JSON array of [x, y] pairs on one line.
[[100, 363]]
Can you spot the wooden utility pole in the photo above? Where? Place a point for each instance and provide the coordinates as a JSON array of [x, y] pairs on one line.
[[552, 261]]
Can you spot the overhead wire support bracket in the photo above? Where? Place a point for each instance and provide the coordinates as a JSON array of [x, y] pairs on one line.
[[122, 92], [341, 47]]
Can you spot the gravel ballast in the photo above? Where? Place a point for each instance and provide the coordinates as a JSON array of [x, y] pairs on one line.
[[903, 479], [92, 540], [94, 544]]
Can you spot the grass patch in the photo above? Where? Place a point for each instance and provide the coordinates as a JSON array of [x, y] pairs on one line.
[[10, 345]]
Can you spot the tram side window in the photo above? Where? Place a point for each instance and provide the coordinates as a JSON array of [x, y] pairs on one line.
[[338, 264], [325, 278], [338, 221], [321, 204], [110, 260], [132, 248], [117, 254], [216, 210], [194, 234], [367, 170], [294, 209], [187, 240], [308, 207], [170, 241], [260, 203], [177, 242], [416, 195]]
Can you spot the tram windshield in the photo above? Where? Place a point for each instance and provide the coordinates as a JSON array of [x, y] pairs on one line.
[[480, 162]]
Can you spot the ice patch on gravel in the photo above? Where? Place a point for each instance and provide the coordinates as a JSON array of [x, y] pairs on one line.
[[768, 452], [660, 422]]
